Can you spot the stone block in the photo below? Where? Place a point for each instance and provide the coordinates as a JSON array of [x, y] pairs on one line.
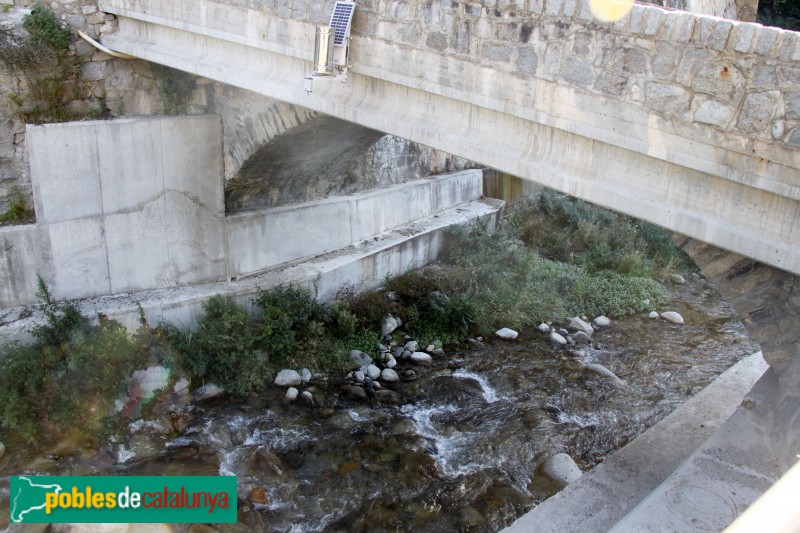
[[571, 7], [631, 61], [767, 39], [496, 52], [757, 111], [743, 37], [722, 80], [665, 59], [792, 103], [577, 72], [527, 61], [789, 76], [691, 59], [714, 113], [552, 60], [763, 77], [713, 33], [655, 19], [682, 26], [612, 84], [666, 98], [436, 40], [553, 7]]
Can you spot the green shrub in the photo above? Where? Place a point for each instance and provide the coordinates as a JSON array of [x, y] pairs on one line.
[[283, 327], [43, 26], [63, 319], [17, 211]]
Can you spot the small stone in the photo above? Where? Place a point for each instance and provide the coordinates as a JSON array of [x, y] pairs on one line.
[[181, 385], [206, 392], [358, 375], [653, 314], [390, 376], [359, 358], [677, 279], [355, 393], [421, 358], [291, 394], [506, 333], [391, 362], [473, 343], [581, 338], [557, 339], [388, 325], [606, 373], [672, 316], [409, 375], [398, 352], [561, 469], [288, 378], [579, 325], [259, 495], [405, 355], [411, 346], [602, 321], [373, 372], [570, 340], [307, 397], [438, 352], [544, 328], [305, 375], [430, 348], [382, 348]]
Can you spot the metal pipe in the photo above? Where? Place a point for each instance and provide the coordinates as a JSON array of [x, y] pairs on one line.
[[102, 48]]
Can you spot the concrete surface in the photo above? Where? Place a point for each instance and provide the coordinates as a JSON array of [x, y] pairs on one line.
[[686, 121], [606, 494], [364, 265]]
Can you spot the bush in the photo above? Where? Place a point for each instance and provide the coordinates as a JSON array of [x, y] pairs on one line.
[[17, 211]]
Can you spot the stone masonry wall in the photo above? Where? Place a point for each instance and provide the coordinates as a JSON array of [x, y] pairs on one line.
[[723, 74]]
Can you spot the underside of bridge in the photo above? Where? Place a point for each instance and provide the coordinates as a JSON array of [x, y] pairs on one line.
[[325, 157]]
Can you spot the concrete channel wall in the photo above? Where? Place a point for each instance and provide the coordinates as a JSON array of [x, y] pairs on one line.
[[136, 204]]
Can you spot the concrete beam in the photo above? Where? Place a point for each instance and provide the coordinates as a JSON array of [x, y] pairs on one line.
[[713, 188]]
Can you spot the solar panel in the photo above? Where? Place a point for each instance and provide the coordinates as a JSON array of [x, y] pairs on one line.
[[340, 21]]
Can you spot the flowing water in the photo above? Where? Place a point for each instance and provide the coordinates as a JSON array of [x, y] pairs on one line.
[[460, 449]]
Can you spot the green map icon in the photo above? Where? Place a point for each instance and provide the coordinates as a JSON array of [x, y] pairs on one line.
[[28, 497]]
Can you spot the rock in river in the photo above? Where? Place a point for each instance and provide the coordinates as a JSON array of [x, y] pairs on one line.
[[561, 469], [602, 321], [557, 339], [672, 316], [390, 376], [291, 394], [421, 358], [506, 333], [288, 378]]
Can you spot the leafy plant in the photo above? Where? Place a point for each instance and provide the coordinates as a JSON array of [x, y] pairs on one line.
[[781, 13], [43, 26], [17, 211]]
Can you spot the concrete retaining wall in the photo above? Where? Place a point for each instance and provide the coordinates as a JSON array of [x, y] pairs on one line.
[[137, 204]]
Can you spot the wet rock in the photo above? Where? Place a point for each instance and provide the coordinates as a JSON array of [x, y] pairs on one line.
[[288, 378], [438, 352], [557, 339], [307, 397], [382, 348], [506, 333], [653, 314], [408, 375], [391, 362], [291, 394], [398, 352], [360, 359], [561, 469], [421, 358], [305, 375], [411, 346], [181, 386], [388, 325], [373, 372], [606, 373], [581, 338], [579, 325], [470, 519], [390, 376], [206, 392], [672, 316], [474, 343], [602, 321], [544, 328], [387, 397], [430, 348], [259, 496], [570, 340], [677, 279], [352, 392], [268, 463], [358, 375]]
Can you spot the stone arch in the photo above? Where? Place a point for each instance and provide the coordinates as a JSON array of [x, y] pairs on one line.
[[325, 156]]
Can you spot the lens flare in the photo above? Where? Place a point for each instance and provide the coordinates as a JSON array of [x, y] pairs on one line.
[[610, 10]]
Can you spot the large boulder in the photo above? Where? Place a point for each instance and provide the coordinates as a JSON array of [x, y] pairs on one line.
[[288, 378]]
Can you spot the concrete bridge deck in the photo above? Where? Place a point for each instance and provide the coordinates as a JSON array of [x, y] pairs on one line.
[[687, 121]]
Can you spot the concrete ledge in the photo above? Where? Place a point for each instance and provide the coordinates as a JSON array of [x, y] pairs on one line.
[[262, 239], [606, 494], [365, 265]]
